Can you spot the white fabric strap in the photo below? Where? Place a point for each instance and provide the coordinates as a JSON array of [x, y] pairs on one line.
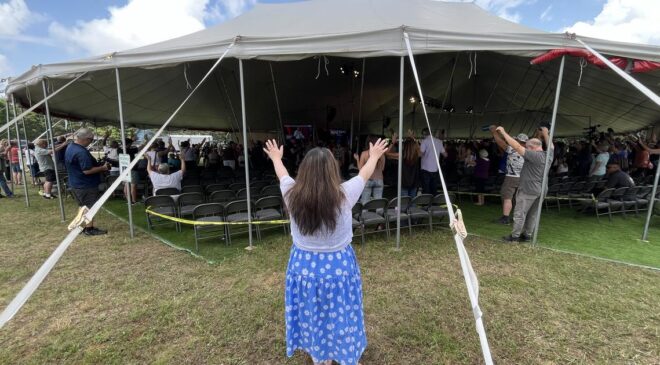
[[35, 106], [32, 285], [638, 85], [470, 277]]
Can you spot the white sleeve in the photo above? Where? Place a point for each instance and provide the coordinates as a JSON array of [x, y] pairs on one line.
[[353, 189], [286, 183], [422, 146]]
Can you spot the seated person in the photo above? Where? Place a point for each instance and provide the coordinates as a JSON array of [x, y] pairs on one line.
[[617, 178], [162, 178]]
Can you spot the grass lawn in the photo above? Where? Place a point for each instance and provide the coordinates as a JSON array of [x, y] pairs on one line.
[[114, 300]]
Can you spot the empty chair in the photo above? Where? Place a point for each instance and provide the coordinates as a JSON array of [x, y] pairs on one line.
[[242, 194], [600, 202], [356, 213], [419, 209], [210, 189], [391, 213], [643, 196], [187, 203], [553, 191], [192, 189], [210, 212], [236, 186], [271, 190], [167, 191], [222, 196], [258, 185], [268, 209], [616, 202], [162, 204], [373, 213], [237, 211], [438, 208]]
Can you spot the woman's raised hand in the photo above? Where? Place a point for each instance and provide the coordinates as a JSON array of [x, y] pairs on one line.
[[273, 151], [378, 149]]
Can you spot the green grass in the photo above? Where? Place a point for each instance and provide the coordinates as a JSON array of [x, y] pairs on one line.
[[577, 232], [113, 300]]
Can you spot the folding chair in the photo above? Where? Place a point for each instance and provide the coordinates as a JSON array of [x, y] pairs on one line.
[[222, 196], [268, 209], [162, 204], [211, 212], [271, 190], [438, 208], [192, 189], [370, 213], [391, 213], [419, 209], [356, 212], [167, 191], [237, 211], [187, 203]]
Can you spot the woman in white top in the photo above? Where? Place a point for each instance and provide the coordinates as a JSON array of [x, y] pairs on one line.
[[323, 292]]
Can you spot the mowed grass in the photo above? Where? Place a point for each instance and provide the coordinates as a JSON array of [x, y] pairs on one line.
[[114, 300]]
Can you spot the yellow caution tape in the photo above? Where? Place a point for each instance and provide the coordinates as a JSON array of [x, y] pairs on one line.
[[207, 223]]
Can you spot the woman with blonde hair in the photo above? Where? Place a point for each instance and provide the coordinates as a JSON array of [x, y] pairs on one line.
[[323, 291]]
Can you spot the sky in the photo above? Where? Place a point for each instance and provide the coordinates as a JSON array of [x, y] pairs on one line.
[[47, 31]]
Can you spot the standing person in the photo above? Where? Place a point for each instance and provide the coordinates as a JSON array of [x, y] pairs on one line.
[[324, 320], [15, 162], [46, 164], [410, 168], [531, 177], [514, 164], [84, 174], [430, 177], [599, 165], [481, 170], [3, 161], [373, 188]]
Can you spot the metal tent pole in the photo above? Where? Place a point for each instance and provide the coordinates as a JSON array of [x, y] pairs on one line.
[[20, 156], [400, 162], [123, 145], [548, 155], [245, 156], [11, 180], [649, 214], [277, 103], [52, 148]]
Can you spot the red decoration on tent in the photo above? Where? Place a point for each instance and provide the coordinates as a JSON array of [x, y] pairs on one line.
[[637, 65]]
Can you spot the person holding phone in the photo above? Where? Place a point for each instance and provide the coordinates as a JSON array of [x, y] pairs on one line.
[[323, 290]]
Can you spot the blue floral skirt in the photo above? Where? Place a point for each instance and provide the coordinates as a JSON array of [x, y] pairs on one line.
[[323, 305]]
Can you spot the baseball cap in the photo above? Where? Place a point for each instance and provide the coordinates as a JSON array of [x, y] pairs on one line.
[[522, 137]]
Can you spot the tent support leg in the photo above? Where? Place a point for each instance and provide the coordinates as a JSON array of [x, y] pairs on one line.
[[400, 159], [277, 103], [20, 156], [52, 146], [548, 156], [649, 214], [128, 186], [245, 156]]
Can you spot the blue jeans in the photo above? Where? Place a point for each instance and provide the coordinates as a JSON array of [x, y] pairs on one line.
[[373, 189], [3, 185], [430, 182], [411, 192]]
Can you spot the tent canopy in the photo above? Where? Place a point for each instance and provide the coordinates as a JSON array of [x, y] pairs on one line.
[[308, 37]]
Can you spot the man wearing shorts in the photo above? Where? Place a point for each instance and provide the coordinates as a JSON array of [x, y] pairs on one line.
[[46, 165], [514, 164], [84, 174]]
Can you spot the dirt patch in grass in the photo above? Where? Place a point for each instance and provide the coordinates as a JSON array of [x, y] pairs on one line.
[[115, 300]]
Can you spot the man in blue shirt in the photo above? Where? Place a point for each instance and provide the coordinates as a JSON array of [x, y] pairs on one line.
[[84, 174]]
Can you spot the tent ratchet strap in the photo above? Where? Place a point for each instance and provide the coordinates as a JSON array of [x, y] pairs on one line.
[[87, 216], [470, 277]]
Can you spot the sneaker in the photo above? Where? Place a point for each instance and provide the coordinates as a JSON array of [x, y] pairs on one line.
[[93, 231], [41, 192], [503, 220], [524, 238], [48, 197], [510, 239]]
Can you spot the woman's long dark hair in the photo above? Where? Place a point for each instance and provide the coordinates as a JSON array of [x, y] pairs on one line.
[[315, 200], [411, 151]]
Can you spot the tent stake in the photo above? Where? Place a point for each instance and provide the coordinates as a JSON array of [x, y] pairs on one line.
[[128, 186], [245, 156], [548, 155], [51, 141]]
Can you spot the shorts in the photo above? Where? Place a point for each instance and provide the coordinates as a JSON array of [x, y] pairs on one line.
[[86, 197], [50, 175], [509, 187], [16, 168]]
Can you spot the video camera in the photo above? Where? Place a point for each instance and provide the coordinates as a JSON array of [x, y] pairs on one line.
[[591, 132]]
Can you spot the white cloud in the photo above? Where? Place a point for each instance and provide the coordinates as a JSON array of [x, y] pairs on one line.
[[15, 16], [545, 16], [503, 8], [5, 71], [635, 21], [141, 22]]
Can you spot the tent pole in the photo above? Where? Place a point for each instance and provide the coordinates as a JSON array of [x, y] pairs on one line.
[[277, 103], [548, 155], [245, 156], [649, 214], [364, 67], [400, 161], [11, 180], [52, 148], [20, 155], [35, 106], [124, 148]]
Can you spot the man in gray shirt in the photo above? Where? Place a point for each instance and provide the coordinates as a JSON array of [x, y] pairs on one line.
[[46, 164], [531, 179]]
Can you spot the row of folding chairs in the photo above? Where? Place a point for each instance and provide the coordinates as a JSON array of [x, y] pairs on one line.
[[572, 192], [383, 212], [620, 200], [264, 209]]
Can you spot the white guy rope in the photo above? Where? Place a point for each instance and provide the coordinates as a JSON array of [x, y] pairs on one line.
[[32, 285], [470, 277]]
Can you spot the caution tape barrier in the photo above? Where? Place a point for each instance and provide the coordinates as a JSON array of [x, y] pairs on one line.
[[212, 223]]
